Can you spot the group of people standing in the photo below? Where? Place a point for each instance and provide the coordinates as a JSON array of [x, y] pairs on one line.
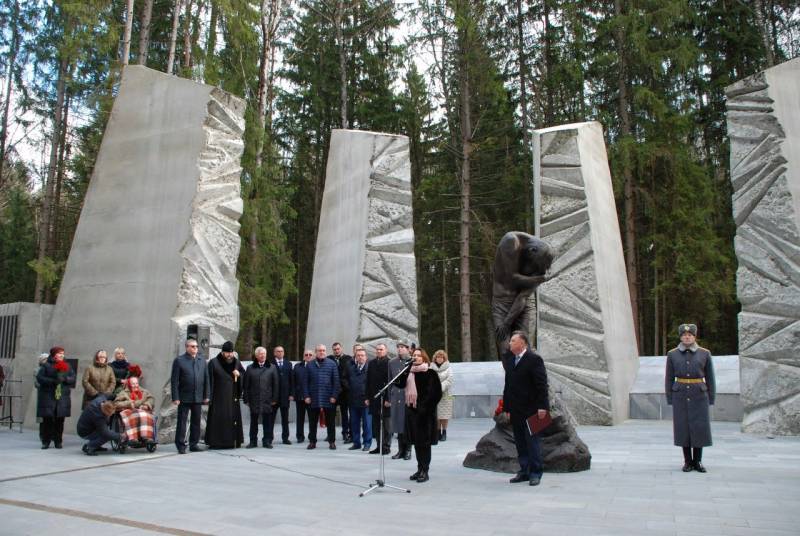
[[415, 407], [408, 396]]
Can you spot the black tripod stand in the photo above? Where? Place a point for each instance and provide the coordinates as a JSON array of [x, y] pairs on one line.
[[381, 481]]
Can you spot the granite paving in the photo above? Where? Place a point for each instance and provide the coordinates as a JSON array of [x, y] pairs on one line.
[[635, 486]]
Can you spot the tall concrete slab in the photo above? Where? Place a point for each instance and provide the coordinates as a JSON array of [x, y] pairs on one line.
[[585, 324], [365, 285], [764, 131], [157, 242]]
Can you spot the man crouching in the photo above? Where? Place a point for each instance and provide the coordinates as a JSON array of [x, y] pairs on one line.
[[93, 426]]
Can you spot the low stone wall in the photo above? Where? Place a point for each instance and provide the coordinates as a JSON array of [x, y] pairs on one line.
[[648, 400]]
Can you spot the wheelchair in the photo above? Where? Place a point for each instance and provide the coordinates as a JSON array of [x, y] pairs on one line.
[[121, 447]]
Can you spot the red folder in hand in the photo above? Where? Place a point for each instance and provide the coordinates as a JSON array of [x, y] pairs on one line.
[[536, 425]]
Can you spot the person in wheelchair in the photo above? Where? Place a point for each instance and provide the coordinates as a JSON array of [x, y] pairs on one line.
[[93, 426], [135, 406]]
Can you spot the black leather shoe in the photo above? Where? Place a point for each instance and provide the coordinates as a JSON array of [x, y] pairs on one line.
[[354, 447], [365, 449], [332, 446], [407, 455], [423, 477], [101, 449], [376, 450], [58, 444], [687, 467], [195, 448], [311, 446], [251, 445], [91, 452], [386, 450], [268, 445], [300, 441], [398, 455], [519, 477], [415, 475], [699, 467], [286, 442], [347, 440], [45, 445], [444, 435], [181, 450], [534, 481]]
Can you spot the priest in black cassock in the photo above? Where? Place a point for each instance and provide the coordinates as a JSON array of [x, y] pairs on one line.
[[224, 421]]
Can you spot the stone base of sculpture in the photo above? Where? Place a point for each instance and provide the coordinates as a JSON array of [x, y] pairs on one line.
[[562, 449]]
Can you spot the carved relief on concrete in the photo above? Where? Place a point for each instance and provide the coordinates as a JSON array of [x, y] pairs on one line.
[[764, 130], [209, 289], [585, 324], [365, 285]]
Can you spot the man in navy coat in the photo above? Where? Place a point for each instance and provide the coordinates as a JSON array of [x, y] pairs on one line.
[[525, 394], [190, 390], [286, 390], [321, 389]]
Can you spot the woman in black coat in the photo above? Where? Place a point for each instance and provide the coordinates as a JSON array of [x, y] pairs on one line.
[[690, 388], [423, 392], [55, 379]]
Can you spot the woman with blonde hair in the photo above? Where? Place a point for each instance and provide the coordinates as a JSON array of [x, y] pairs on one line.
[[444, 411]]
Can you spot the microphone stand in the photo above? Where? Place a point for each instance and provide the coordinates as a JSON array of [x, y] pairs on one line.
[[381, 481]]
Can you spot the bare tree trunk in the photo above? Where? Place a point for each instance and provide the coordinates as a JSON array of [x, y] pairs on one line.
[[126, 40], [342, 62], [48, 188], [173, 36], [763, 30], [12, 60], [629, 194], [144, 33], [548, 87], [270, 20], [465, 216], [187, 36], [523, 103], [211, 45]]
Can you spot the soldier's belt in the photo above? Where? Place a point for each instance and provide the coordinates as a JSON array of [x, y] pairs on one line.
[[690, 380]]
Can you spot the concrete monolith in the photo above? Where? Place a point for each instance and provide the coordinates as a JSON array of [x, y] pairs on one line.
[[585, 325]]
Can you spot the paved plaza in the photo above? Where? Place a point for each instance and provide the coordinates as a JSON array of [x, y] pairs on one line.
[[635, 486]]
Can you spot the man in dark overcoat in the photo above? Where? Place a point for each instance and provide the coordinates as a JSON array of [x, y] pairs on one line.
[[190, 390], [286, 396], [300, 406], [397, 395], [377, 379], [690, 387], [261, 392], [343, 362], [524, 395], [321, 389]]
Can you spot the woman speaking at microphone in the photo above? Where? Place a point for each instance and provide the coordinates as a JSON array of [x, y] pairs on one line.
[[423, 392]]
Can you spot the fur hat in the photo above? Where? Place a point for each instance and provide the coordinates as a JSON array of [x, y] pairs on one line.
[[687, 328]]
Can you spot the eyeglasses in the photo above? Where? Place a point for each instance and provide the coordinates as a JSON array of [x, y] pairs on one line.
[[307, 355]]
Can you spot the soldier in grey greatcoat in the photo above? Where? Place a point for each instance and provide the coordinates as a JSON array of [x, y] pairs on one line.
[[690, 388], [397, 397]]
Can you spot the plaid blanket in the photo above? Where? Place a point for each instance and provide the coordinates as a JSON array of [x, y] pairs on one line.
[[138, 424]]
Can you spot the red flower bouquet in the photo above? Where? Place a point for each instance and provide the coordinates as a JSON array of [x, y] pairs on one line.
[[135, 370], [62, 367], [499, 408]]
